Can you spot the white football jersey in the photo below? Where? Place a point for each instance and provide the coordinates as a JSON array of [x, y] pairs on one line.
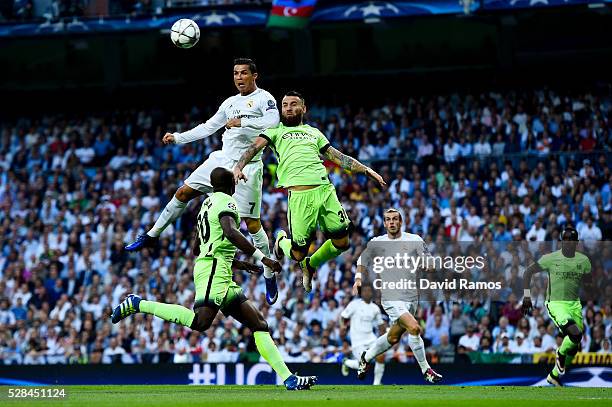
[[364, 319], [414, 248], [406, 237], [257, 112]]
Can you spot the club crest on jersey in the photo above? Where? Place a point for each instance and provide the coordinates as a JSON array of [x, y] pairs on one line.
[[250, 103], [271, 105]]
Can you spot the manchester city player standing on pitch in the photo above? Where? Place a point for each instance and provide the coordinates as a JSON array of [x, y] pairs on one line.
[[567, 269]]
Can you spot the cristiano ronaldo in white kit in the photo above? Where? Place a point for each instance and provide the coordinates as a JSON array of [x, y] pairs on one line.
[[245, 116]]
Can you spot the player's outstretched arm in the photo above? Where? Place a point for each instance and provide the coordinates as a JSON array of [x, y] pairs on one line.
[[530, 271], [228, 224], [247, 156], [351, 164], [205, 129]]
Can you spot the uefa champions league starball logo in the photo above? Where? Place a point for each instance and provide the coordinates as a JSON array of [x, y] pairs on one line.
[[575, 377]]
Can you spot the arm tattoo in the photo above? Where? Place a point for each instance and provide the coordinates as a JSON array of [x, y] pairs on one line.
[[345, 161], [259, 144], [247, 156]]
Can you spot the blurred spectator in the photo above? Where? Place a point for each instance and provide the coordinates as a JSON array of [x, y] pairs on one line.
[[468, 342], [23, 10]]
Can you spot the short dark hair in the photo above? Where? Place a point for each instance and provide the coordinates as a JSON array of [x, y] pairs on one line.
[[569, 233], [246, 61], [221, 177], [297, 94]]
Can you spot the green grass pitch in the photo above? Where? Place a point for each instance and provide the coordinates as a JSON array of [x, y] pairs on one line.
[[320, 396]]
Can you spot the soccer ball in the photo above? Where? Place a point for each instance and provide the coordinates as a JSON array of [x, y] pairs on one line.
[[185, 33]]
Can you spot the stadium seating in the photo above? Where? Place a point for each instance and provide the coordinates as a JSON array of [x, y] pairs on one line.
[[75, 190]]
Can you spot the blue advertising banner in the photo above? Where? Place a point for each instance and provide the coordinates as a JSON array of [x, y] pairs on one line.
[[386, 9], [261, 373], [213, 18], [368, 11], [205, 19]]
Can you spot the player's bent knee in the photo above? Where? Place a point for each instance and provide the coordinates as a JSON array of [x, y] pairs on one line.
[[200, 326], [297, 255], [203, 319], [576, 338], [341, 244], [261, 326], [414, 330], [573, 332], [393, 338], [395, 333], [186, 193]]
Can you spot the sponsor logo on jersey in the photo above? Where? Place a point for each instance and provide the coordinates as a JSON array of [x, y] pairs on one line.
[[298, 135]]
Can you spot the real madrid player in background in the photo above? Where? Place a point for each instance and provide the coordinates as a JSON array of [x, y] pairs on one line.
[[216, 241], [312, 197], [244, 116], [400, 305], [567, 269], [364, 316]]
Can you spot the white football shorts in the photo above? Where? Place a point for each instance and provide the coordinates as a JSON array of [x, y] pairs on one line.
[[395, 309], [247, 195]]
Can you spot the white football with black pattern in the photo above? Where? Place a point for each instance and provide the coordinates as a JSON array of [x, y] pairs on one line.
[[185, 33]]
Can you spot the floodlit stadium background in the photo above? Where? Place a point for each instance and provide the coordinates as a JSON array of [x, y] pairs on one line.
[[493, 125]]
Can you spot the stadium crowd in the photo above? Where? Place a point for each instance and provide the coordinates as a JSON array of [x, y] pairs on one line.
[[509, 167], [53, 10]]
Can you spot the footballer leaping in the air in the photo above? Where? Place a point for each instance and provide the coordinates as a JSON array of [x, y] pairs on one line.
[[245, 116], [401, 306]]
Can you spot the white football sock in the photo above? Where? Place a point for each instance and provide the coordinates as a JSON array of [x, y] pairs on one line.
[[260, 239], [380, 346], [352, 363], [379, 369], [418, 348], [171, 212]]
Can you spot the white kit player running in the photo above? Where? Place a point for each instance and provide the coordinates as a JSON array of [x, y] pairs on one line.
[[364, 317], [400, 305], [245, 116]]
